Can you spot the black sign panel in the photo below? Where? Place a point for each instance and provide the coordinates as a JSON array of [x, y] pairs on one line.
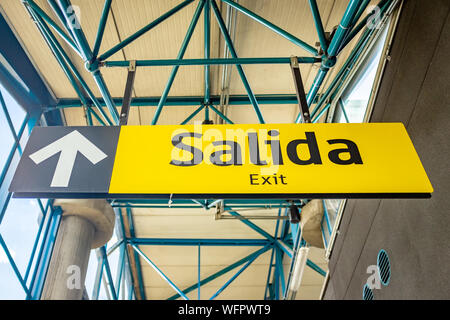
[[60, 159]]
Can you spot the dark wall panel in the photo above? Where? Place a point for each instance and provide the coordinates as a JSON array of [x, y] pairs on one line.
[[415, 90]]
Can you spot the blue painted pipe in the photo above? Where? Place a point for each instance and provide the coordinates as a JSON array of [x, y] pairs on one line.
[[233, 53], [207, 40], [209, 61], [87, 54], [319, 25], [184, 45], [271, 26], [342, 29], [140, 32], [101, 27]]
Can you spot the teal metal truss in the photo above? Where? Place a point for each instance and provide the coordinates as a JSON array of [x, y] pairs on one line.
[[285, 240]]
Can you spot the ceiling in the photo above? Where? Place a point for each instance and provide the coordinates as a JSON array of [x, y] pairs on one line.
[[163, 42]]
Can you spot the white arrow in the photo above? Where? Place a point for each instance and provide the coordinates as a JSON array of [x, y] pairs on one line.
[[69, 146]]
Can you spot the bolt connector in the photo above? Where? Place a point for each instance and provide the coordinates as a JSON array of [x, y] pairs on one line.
[[328, 62], [93, 65]]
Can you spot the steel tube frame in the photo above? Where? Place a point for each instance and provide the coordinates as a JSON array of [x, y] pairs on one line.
[[98, 276], [242, 269], [251, 225], [334, 46], [221, 115], [143, 30], [272, 27], [14, 266], [198, 271], [345, 69], [62, 58], [184, 45], [319, 26], [233, 54], [88, 57], [216, 274], [279, 268], [234, 100], [155, 267], [101, 27], [78, 42], [210, 61], [136, 255], [277, 225], [193, 114], [108, 272], [383, 5], [55, 27], [207, 43], [342, 29], [197, 242]]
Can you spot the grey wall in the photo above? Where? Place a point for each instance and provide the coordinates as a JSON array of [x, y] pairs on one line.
[[415, 90]]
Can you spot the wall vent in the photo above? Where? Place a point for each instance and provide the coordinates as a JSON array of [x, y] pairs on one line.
[[384, 267], [367, 293]]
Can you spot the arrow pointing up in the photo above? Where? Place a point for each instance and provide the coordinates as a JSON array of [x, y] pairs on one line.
[[69, 146]]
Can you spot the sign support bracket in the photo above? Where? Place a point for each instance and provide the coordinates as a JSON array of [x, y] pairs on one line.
[[300, 90], [128, 93]]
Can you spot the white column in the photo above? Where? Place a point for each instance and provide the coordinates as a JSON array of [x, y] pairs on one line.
[[85, 225]]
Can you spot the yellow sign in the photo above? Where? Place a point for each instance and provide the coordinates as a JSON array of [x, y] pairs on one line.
[[279, 160]]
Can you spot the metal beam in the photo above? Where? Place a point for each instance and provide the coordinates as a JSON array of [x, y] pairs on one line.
[[53, 24], [345, 69], [180, 55], [155, 267], [257, 254], [211, 61], [51, 41], [67, 66], [233, 53], [71, 23], [101, 27], [143, 30], [135, 255], [319, 26], [251, 225], [382, 5], [342, 29], [279, 268], [217, 274], [221, 115], [207, 43], [193, 114], [335, 44], [272, 27], [196, 242], [235, 100], [108, 272]]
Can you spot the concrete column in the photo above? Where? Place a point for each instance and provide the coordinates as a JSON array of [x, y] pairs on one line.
[[85, 225]]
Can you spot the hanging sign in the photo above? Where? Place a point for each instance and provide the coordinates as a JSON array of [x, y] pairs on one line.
[[370, 160]]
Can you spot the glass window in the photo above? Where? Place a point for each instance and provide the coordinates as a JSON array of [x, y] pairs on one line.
[[16, 112], [11, 289], [352, 104], [91, 273], [19, 229]]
